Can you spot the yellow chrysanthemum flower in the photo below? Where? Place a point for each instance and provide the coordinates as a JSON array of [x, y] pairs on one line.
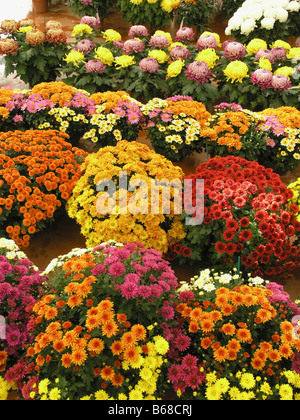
[[209, 56], [281, 44], [124, 61], [159, 55], [286, 71], [255, 45], [175, 68], [236, 71], [105, 55], [82, 29], [111, 35], [264, 63], [75, 57]]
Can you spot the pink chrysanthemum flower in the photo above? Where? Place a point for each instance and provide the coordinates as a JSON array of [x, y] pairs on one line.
[[281, 82], [234, 50], [85, 46], [265, 54], [149, 64], [185, 34], [207, 41], [159, 41], [133, 45], [138, 31], [179, 52], [95, 66], [262, 78], [198, 71], [91, 21], [279, 53]]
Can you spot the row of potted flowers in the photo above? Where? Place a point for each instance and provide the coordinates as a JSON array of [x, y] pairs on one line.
[[76, 331], [245, 217], [177, 127], [255, 75]]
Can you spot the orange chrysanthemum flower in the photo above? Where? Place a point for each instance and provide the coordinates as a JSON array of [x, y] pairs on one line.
[[79, 357], [244, 335], [131, 354], [110, 329], [117, 380], [117, 348], [221, 354], [228, 329], [107, 373], [96, 345], [139, 331]]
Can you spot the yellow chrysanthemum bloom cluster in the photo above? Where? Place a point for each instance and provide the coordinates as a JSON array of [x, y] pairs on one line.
[[294, 203], [5, 387], [75, 57], [130, 220], [82, 29], [175, 68], [110, 35], [246, 386], [236, 71], [105, 55], [124, 61], [209, 56], [159, 55]]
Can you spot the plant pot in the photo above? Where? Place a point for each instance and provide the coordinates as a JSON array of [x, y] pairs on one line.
[[40, 6]]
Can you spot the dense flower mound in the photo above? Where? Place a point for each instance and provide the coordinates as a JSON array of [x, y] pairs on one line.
[[124, 213], [242, 335], [117, 117], [83, 345], [175, 126], [267, 20], [38, 171], [20, 287], [245, 215], [270, 137]]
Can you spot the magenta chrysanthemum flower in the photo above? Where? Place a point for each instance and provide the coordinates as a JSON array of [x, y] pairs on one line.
[[159, 41], [138, 31], [85, 46], [133, 45], [117, 269], [207, 41], [91, 21], [129, 290], [95, 66], [279, 53], [262, 78], [182, 342], [179, 52], [189, 362], [149, 64], [234, 50], [184, 34], [265, 54], [281, 82], [198, 71]]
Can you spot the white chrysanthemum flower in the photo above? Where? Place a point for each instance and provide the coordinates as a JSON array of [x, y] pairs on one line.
[[248, 26], [210, 287], [268, 23], [270, 13], [293, 6], [282, 14], [225, 279]]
